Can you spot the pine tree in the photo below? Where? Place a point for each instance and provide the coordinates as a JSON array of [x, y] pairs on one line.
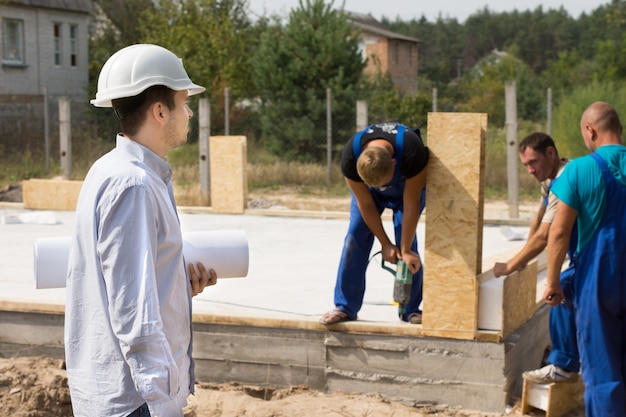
[[317, 49]]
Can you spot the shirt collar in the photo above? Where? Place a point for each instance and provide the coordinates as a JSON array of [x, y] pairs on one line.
[[153, 161]]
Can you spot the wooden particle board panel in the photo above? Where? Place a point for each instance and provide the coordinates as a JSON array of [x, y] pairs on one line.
[[454, 203], [505, 303], [556, 399], [229, 184], [518, 298], [51, 194]]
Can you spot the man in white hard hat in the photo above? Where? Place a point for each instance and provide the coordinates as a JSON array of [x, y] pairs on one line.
[[128, 314]]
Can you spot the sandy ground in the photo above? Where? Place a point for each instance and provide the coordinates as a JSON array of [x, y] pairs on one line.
[[37, 386]]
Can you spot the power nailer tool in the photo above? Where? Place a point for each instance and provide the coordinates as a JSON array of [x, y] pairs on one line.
[[401, 285]]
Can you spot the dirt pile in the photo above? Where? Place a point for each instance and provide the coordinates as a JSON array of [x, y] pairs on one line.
[[34, 387], [11, 193]]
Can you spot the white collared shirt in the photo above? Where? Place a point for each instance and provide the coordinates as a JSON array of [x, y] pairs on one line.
[[128, 313]]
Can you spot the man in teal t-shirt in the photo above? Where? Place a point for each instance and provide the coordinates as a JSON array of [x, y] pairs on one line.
[[593, 189], [589, 196]]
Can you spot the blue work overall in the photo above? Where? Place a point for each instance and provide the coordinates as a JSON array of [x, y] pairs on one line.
[[562, 322], [600, 299], [350, 285]]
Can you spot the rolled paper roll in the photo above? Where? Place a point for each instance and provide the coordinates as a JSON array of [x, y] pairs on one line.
[[51, 258], [226, 251]]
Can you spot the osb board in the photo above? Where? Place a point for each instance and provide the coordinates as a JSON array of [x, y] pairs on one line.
[[51, 194], [559, 398], [228, 174], [453, 244], [518, 298]]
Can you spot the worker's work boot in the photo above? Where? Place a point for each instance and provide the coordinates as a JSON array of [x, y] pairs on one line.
[[549, 374]]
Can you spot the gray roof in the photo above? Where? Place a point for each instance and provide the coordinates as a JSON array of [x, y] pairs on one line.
[[84, 6], [367, 23]]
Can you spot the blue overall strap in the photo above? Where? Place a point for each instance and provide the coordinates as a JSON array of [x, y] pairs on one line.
[[545, 199], [399, 146], [601, 162], [356, 143]]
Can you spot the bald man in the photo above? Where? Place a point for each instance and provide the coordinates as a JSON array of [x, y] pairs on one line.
[[593, 189]]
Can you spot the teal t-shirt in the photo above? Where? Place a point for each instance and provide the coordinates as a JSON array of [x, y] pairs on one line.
[[581, 187]]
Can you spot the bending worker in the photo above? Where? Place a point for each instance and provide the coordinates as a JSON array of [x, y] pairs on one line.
[[384, 166], [592, 191], [128, 314], [539, 155]]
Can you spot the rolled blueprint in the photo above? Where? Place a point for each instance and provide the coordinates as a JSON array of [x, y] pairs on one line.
[[51, 258], [226, 251]]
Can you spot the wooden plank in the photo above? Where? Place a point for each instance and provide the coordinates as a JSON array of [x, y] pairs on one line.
[[54, 194], [229, 184], [556, 399], [518, 298], [564, 397], [454, 223], [368, 327]]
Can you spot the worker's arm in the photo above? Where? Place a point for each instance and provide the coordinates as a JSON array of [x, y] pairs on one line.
[[411, 200], [371, 216], [558, 243], [536, 243]]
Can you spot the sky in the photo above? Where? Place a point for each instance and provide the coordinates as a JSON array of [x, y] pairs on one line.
[[432, 9]]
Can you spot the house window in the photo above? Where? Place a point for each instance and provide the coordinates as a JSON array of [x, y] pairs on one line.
[[74, 45], [362, 50], [58, 45], [394, 53], [409, 53], [12, 41]]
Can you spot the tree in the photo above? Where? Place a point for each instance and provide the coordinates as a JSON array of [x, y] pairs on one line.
[[116, 27], [293, 66], [484, 87], [213, 37], [569, 111], [385, 103]]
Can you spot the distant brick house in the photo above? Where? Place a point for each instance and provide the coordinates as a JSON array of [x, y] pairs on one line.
[[387, 51], [43, 48]]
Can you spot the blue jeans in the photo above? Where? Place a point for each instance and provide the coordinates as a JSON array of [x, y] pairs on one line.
[[141, 412]]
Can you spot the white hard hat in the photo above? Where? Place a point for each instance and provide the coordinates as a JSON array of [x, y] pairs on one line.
[[133, 69]]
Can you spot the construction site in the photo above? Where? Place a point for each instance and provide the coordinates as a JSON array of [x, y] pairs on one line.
[[479, 333]]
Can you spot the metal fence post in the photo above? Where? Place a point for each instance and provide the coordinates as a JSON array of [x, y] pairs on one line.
[[511, 148], [65, 137], [46, 127], [226, 111], [329, 135], [549, 112], [204, 121], [361, 115]]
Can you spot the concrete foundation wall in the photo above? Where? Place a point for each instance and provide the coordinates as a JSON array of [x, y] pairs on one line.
[[467, 373]]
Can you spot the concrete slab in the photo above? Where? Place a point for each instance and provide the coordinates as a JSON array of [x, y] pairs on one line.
[[293, 262]]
